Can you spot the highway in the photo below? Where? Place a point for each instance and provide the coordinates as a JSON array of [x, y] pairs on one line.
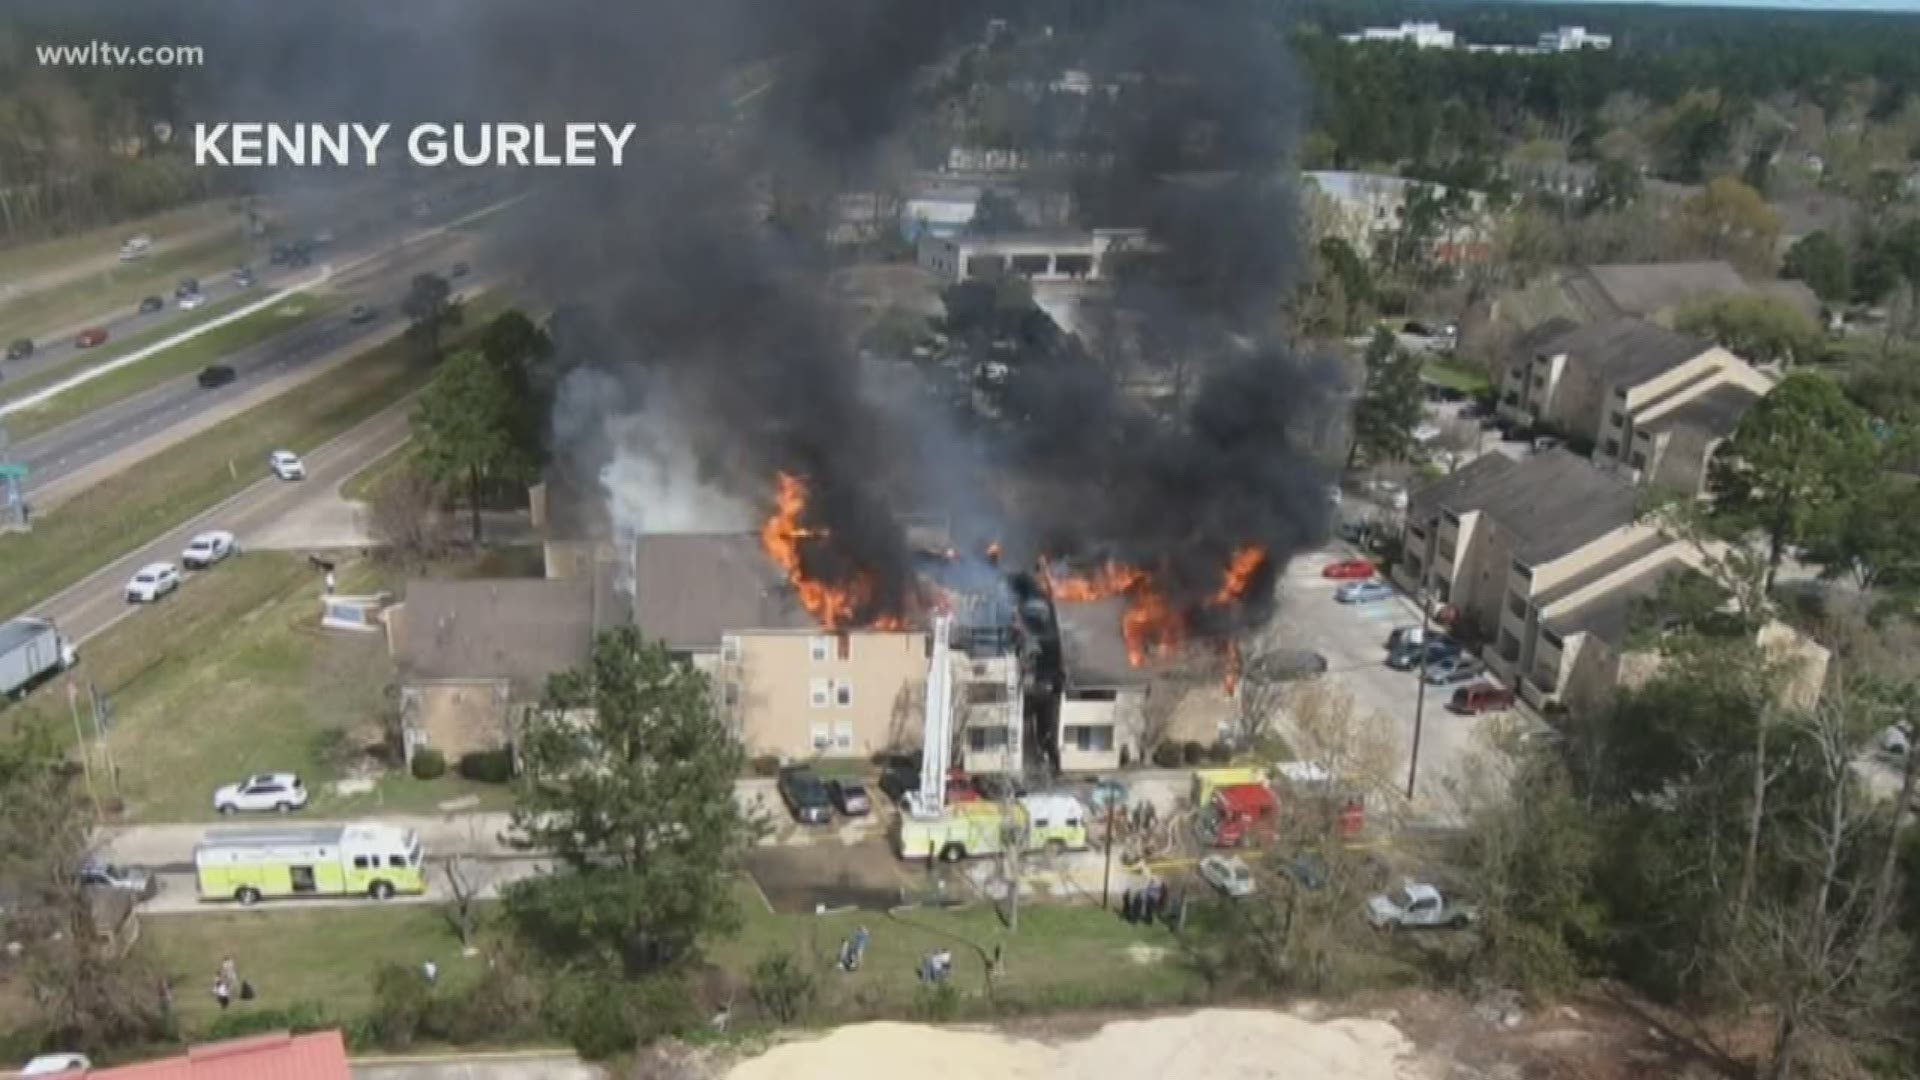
[[217, 284], [81, 443]]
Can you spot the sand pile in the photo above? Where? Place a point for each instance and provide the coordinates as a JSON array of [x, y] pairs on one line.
[[1245, 1044]]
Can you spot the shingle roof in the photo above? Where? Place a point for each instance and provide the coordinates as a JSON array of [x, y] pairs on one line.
[[1552, 503], [1625, 351], [1460, 486], [1093, 651], [1610, 615], [321, 1055], [691, 588], [1715, 413], [1613, 290], [519, 629]]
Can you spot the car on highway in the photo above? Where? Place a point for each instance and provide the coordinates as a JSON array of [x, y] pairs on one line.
[[1480, 698], [1454, 669], [282, 792], [192, 300], [1229, 874], [849, 797], [136, 247], [215, 376], [1363, 592], [361, 313], [208, 548], [133, 880], [458, 270], [805, 796], [1348, 570], [88, 338], [151, 304], [244, 278], [19, 348], [287, 465], [187, 287], [151, 582]]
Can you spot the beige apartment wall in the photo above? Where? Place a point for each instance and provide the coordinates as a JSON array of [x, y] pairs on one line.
[[884, 674], [1089, 714]]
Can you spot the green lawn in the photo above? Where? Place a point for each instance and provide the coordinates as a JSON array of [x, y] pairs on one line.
[[26, 384], [116, 515], [1062, 956], [49, 255], [1456, 376], [123, 286], [295, 310], [361, 485]]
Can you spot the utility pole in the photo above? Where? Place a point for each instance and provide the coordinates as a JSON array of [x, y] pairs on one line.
[[80, 743], [1420, 693], [1106, 876]]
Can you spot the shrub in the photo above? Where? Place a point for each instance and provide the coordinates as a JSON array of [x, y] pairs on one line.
[[782, 987], [429, 764], [765, 765], [593, 1016], [1193, 752], [504, 1006], [1167, 755], [1219, 754], [937, 1002], [401, 998], [487, 766], [300, 1017]]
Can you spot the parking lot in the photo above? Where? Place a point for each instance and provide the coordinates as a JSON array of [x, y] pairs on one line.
[[1353, 639]]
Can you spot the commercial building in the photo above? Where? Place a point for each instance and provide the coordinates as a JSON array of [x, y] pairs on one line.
[[1421, 35], [1573, 39], [1062, 256], [1363, 208]]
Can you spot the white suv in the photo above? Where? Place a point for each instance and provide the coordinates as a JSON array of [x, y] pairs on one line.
[[154, 581], [266, 791], [208, 548], [286, 465]]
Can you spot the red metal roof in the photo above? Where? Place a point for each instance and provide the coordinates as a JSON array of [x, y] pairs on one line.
[[278, 1056]]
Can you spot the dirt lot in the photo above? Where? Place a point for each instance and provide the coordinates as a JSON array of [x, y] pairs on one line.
[[863, 874]]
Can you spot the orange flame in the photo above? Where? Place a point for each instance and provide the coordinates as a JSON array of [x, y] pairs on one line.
[[1230, 664], [1151, 625], [782, 535], [1246, 562]]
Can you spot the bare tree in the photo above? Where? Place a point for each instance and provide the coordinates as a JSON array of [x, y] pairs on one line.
[[1264, 681], [1160, 708], [467, 877], [405, 517]]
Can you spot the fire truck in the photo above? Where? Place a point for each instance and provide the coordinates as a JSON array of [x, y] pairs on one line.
[[1240, 814], [967, 829]]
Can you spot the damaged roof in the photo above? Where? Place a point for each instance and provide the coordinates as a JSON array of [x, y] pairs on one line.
[[690, 589], [1093, 651]]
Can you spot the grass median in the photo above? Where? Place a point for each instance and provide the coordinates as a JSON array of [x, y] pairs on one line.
[[53, 255], [292, 311], [114, 517], [122, 286]]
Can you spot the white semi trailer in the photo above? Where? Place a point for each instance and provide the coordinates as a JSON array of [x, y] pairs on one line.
[[30, 650]]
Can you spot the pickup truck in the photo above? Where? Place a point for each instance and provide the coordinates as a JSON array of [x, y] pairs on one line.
[[1418, 906]]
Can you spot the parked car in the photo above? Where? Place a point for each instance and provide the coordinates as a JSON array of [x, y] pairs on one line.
[[282, 792], [1548, 442], [214, 376], [1454, 669], [1417, 906], [897, 780], [1389, 492], [361, 313], [1229, 874], [805, 796], [192, 300], [151, 304], [1404, 637], [19, 348], [1280, 665], [151, 582], [61, 1064], [208, 548], [1480, 698], [88, 338], [133, 880], [1354, 531], [287, 465], [849, 797], [1475, 410], [1896, 741], [1362, 592], [1106, 793], [1348, 570], [1437, 649]]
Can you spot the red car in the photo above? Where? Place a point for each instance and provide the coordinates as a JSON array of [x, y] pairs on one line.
[[89, 338], [1479, 698], [1348, 570]]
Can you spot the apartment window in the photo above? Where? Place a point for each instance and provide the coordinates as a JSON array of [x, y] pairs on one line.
[[843, 735], [819, 648], [1617, 419], [1091, 738], [1509, 646], [1639, 459], [821, 736], [1539, 380], [1445, 553], [843, 645], [819, 692], [985, 738], [1510, 399], [730, 696], [1517, 604], [1612, 448], [730, 649], [1552, 638], [843, 694], [1523, 570]]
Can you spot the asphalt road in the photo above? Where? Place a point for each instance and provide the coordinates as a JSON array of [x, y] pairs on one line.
[[80, 443], [217, 284], [98, 601]]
